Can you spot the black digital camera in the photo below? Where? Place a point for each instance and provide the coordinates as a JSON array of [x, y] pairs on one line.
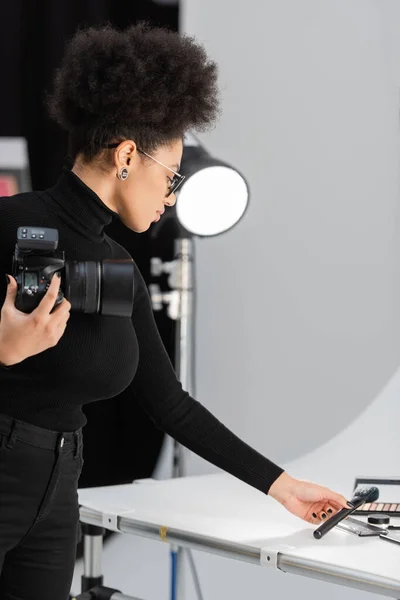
[[102, 287]]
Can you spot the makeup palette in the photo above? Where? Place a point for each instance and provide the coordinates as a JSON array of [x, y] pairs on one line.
[[375, 507], [389, 496]]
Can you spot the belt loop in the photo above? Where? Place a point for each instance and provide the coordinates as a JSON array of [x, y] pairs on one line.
[[13, 434]]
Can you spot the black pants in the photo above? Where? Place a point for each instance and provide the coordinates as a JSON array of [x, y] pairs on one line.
[[39, 517]]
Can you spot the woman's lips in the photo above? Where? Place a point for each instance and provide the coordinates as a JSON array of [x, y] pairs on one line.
[[159, 213]]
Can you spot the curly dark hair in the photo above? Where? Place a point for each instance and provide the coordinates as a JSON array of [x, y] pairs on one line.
[[144, 83]]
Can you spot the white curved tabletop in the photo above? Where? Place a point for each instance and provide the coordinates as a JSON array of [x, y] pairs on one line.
[[220, 514]]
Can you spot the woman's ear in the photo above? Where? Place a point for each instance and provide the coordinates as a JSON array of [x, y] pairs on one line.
[[124, 153]]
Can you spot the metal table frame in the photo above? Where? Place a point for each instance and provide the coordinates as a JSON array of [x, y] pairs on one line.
[[265, 557]]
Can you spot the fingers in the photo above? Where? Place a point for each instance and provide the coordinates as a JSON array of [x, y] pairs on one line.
[[46, 304], [11, 290], [315, 503], [327, 511], [62, 323], [61, 327], [61, 309], [317, 516], [313, 518], [322, 512], [330, 510], [61, 314]]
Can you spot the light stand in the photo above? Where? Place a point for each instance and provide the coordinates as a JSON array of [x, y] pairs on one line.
[[92, 578], [180, 309]]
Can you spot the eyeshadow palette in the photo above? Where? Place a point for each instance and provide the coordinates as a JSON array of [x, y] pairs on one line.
[[390, 508], [389, 496]]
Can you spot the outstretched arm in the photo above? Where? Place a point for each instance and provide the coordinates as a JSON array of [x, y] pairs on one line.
[[181, 416]]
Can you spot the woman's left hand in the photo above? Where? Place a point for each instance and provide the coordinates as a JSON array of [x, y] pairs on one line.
[[308, 501]]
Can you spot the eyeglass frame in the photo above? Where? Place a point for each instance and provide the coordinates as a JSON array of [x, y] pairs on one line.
[[177, 179]]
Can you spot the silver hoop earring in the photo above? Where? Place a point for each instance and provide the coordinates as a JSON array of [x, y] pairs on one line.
[[123, 174]]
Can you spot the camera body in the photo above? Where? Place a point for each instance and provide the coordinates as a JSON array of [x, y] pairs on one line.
[[35, 261], [102, 287]]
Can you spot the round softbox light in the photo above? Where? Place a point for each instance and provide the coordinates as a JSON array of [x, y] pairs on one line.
[[214, 195]]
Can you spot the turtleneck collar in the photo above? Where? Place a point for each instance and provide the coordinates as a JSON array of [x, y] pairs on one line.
[[80, 207]]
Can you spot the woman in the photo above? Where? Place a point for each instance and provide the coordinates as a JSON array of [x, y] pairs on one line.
[[126, 99]]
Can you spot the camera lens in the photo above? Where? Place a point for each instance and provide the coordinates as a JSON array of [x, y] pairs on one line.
[[105, 287]]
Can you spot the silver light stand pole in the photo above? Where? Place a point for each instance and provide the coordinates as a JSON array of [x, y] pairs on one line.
[[180, 308], [183, 362], [184, 332]]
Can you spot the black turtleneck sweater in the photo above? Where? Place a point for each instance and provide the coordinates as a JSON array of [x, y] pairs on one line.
[[98, 356]]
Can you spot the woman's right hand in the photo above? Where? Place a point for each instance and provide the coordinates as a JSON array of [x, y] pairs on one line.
[[23, 335], [309, 501]]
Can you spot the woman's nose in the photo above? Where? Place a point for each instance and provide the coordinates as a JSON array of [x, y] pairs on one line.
[[171, 200]]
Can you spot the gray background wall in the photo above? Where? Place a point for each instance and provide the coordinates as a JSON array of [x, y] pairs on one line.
[[298, 306]]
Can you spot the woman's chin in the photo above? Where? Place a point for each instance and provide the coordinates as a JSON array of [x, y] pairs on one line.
[[137, 227], [142, 229]]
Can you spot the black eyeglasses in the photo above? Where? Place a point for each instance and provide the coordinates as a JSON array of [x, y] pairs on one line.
[[177, 179]]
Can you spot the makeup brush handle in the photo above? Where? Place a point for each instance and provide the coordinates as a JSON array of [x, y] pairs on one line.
[[332, 521]]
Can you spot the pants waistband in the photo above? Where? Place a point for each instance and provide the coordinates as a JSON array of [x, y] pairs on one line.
[[37, 436]]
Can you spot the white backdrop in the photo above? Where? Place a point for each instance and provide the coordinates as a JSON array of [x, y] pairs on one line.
[[298, 306]]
